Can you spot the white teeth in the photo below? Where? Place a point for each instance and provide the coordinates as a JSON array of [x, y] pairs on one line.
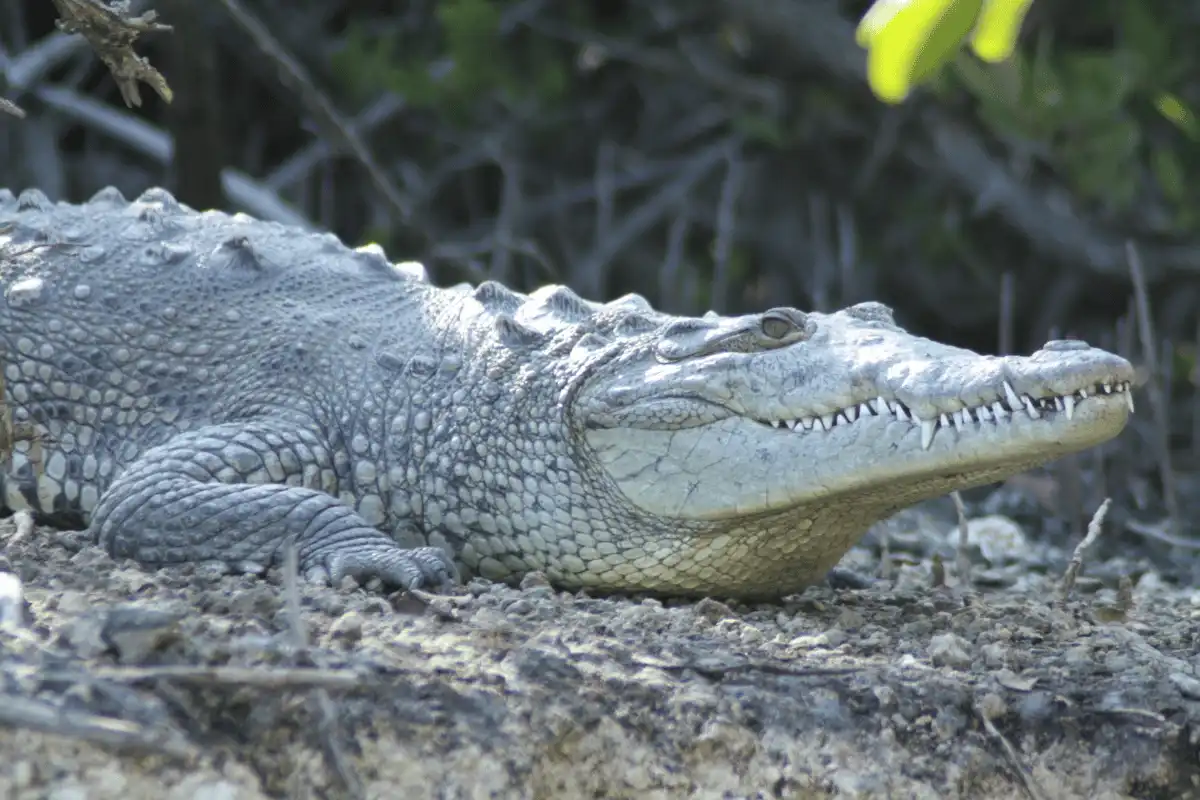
[[1030, 409], [928, 428], [1010, 394], [997, 412]]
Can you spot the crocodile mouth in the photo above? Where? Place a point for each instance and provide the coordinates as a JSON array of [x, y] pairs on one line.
[[998, 412], [715, 464]]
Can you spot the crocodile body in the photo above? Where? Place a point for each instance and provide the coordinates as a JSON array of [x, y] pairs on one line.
[[211, 388]]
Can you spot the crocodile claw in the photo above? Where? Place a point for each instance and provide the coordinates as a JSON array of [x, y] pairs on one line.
[[416, 568]]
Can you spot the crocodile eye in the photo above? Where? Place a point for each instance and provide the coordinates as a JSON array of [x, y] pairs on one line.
[[776, 326]]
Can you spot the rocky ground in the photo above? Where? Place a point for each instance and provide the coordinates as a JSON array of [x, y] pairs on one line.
[[121, 683]]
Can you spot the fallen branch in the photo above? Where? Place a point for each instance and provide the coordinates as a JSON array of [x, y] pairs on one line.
[[30, 714]]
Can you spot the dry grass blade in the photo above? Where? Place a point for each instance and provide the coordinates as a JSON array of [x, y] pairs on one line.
[[1032, 790], [1158, 404], [962, 554], [9, 107], [1093, 533], [112, 32]]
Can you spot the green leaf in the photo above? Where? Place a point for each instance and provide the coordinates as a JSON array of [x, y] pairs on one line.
[[1174, 110], [1169, 171]]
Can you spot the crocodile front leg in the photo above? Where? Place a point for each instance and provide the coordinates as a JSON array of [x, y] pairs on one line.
[[190, 500]]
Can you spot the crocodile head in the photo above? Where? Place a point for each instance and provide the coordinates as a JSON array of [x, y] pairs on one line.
[[770, 442]]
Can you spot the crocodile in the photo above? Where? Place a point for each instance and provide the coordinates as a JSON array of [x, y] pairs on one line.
[[214, 389]]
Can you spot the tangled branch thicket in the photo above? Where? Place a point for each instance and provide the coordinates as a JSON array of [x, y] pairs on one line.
[[722, 154]]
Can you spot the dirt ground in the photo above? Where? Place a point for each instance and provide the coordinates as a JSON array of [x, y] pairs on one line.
[[185, 683]]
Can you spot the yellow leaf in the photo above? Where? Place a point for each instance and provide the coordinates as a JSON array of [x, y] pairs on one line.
[[995, 35], [916, 39], [877, 16]]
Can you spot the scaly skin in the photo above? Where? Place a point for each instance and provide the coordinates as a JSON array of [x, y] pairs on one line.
[[212, 387]]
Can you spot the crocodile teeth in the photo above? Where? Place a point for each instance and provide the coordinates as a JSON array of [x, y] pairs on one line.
[[1010, 395], [928, 428], [998, 411]]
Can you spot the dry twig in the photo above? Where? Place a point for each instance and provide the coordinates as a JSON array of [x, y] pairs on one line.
[[112, 31], [255, 677], [31, 714], [319, 105], [323, 706], [1093, 533]]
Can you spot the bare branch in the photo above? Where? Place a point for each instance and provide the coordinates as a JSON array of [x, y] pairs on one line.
[[154, 143], [319, 105], [112, 31]]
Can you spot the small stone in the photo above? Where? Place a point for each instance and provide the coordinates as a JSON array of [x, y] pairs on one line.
[[348, 626], [136, 632], [534, 579], [74, 603], [713, 610], [949, 650], [992, 706], [751, 635], [520, 607], [850, 620], [21, 774]]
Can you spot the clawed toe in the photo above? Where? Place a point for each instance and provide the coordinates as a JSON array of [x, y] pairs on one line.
[[418, 568]]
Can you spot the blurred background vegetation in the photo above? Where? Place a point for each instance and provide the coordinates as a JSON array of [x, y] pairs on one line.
[[724, 154]]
